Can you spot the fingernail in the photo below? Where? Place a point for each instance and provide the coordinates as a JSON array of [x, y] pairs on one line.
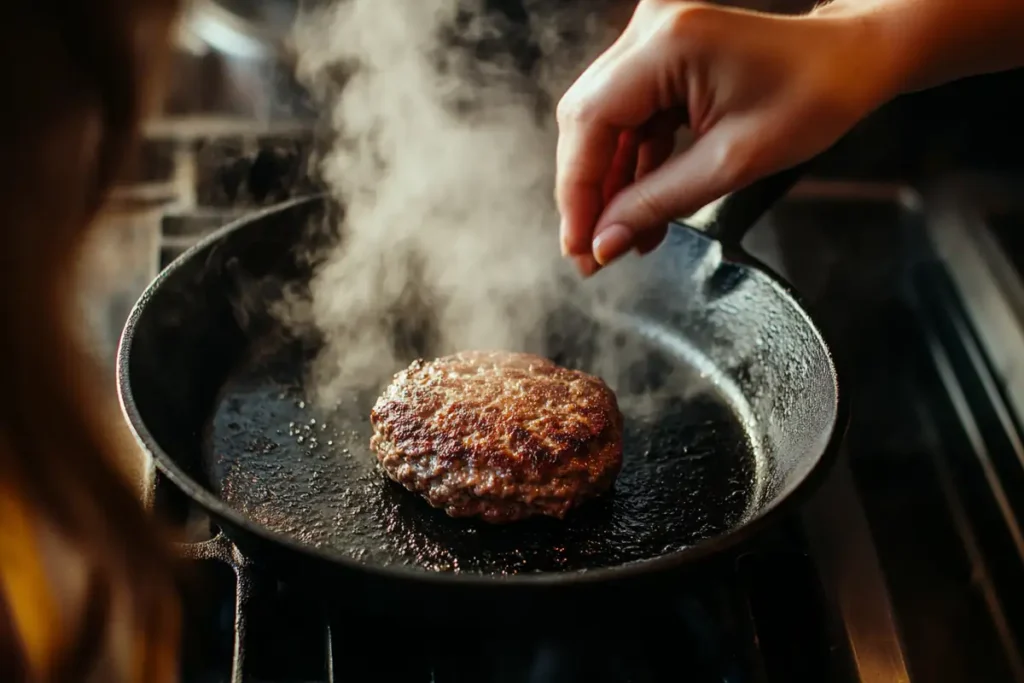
[[586, 264], [562, 241], [611, 243]]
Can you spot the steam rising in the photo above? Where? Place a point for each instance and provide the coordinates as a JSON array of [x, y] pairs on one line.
[[444, 164]]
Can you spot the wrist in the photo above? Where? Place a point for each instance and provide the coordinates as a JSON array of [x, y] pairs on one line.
[[878, 56], [930, 42]]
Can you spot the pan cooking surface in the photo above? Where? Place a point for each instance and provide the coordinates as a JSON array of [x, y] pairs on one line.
[[689, 472]]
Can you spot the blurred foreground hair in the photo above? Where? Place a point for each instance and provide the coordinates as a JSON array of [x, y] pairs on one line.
[[87, 589]]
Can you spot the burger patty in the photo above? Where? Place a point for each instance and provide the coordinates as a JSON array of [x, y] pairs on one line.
[[498, 435]]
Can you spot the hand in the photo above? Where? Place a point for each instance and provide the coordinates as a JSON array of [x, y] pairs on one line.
[[760, 92]]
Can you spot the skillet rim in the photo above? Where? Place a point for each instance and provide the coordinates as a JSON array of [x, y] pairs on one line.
[[687, 556]]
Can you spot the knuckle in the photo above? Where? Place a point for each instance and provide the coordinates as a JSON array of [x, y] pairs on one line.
[[688, 21], [736, 162], [575, 109]]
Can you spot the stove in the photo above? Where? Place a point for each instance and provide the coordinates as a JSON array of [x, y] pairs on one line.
[[898, 569], [761, 621], [904, 566]]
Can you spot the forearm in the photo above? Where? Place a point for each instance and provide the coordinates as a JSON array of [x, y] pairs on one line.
[[930, 42]]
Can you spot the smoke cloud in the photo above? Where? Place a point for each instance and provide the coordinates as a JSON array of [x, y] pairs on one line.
[[443, 159]]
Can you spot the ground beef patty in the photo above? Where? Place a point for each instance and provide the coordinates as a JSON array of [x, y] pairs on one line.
[[498, 435]]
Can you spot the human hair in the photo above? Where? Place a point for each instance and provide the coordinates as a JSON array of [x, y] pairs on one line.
[[87, 581]]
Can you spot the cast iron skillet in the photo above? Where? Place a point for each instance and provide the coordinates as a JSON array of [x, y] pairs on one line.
[[732, 403]]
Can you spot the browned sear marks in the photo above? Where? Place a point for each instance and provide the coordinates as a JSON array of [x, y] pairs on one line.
[[498, 435]]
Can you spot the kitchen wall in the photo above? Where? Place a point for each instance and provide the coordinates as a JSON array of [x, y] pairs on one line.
[[235, 135]]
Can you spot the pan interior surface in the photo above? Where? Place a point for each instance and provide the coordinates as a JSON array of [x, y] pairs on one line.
[[691, 469], [730, 394]]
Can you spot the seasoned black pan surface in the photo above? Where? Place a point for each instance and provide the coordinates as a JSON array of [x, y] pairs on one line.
[[731, 398], [689, 472]]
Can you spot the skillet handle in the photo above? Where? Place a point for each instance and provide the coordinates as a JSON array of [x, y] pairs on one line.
[[729, 219]]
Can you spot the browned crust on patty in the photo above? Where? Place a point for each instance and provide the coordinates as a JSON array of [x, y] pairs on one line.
[[498, 435]]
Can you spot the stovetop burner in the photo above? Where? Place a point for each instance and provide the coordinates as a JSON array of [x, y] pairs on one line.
[[762, 621], [896, 570]]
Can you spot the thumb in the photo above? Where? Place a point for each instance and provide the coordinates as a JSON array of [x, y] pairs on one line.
[[717, 163]]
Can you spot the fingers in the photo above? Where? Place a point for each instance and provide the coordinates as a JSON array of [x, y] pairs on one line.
[[620, 174], [637, 216], [651, 156], [596, 160], [623, 168], [653, 152], [584, 155], [613, 96], [634, 158], [658, 140], [633, 87], [587, 143]]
